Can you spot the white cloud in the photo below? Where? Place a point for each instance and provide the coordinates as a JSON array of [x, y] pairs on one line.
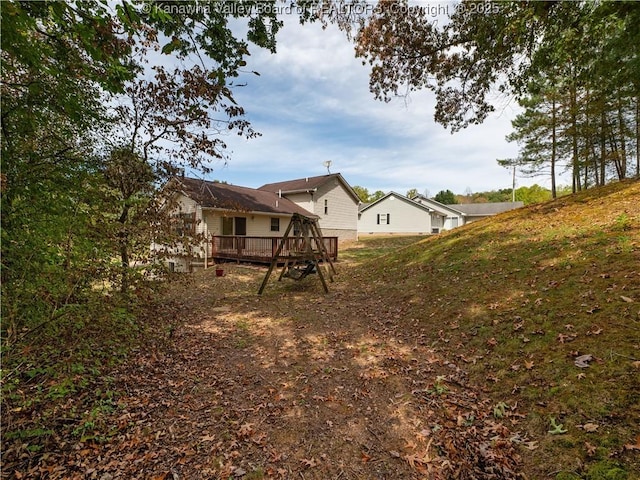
[[312, 103]]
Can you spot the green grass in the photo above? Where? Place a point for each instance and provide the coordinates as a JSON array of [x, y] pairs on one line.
[[376, 247], [526, 292]]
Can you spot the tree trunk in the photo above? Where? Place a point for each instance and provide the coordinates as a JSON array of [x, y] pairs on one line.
[[123, 240], [638, 136], [623, 141], [553, 145], [586, 135], [577, 186], [603, 145]]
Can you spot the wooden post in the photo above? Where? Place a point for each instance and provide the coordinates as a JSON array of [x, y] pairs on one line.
[[306, 229], [274, 260]]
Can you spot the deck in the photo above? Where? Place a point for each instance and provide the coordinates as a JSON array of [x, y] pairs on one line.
[[261, 249]]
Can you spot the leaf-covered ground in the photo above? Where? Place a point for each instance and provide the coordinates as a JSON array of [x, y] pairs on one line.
[[506, 349], [293, 384]]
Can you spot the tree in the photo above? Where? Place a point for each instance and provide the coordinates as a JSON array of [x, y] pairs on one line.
[[446, 197], [72, 163], [538, 131], [506, 47], [412, 193], [362, 192], [533, 194], [490, 46], [484, 48], [377, 195], [365, 196]]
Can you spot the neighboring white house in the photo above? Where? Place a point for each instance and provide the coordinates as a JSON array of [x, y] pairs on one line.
[[396, 214], [460, 214], [329, 197], [448, 217]]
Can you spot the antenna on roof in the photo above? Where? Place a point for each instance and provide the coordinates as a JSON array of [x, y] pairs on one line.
[[327, 163]]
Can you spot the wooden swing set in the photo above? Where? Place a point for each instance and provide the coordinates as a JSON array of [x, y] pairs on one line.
[[306, 248]]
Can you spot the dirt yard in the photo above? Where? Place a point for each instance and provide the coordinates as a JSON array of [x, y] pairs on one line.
[[297, 384]]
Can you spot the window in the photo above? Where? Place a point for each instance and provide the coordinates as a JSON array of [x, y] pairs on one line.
[[227, 225], [383, 219], [275, 224], [241, 225], [326, 207], [185, 224]]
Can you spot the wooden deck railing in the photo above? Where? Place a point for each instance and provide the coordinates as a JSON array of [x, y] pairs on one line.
[[262, 249]]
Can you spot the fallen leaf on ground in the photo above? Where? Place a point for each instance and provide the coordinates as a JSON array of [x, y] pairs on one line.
[[310, 463], [591, 449], [562, 338], [590, 427], [583, 361], [631, 446]]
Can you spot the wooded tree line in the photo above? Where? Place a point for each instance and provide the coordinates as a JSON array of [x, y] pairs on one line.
[[90, 131], [582, 109], [573, 66]]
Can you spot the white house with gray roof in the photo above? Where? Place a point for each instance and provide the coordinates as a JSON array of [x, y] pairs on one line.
[[462, 213], [397, 214]]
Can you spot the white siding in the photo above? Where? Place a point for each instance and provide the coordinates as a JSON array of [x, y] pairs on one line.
[[213, 223], [304, 200], [452, 219], [180, 263], [437, 223], [452, 222], [258, 225], [403, 218], [341, 219]]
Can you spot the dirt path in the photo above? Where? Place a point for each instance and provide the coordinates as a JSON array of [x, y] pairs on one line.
[[297, 384]]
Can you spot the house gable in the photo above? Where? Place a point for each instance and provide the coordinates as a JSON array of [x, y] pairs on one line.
[[309, 185], [395, 213], [329, 197], [445, 210]]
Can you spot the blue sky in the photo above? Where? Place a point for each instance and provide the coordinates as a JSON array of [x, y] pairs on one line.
[[311, 103]]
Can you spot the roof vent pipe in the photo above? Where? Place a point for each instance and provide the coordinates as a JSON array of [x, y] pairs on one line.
[[279, 193], [276, 203], [306, 179]]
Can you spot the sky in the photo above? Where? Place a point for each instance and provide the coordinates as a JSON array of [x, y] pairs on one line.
[[312, 104]]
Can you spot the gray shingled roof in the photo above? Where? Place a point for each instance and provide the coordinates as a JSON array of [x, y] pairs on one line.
[[232, 197], [484, 209], [298, 184], [307, 184]]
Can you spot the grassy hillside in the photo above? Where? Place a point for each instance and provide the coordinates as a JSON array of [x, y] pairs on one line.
[[518, 300]]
